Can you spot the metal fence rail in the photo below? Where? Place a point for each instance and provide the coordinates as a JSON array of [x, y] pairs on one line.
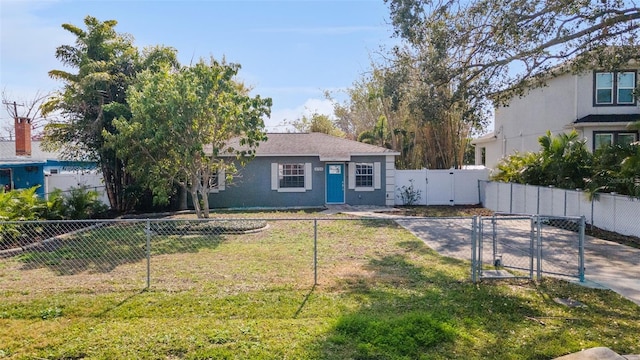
[[528, 245], [233, 253]]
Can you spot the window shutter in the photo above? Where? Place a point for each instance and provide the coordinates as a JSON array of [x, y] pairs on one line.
[[308, 175], [376, 176], [274, 176], [221, 179], [352, 175]]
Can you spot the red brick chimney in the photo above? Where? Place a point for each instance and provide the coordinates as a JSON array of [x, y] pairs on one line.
[[23, 136]]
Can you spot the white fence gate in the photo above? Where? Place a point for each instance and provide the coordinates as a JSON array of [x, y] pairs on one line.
[[441, 187]]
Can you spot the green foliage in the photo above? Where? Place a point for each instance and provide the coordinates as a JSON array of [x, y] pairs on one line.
[[81, 204], [317, 123], [21, 205], [182, 122], [105, 64], [379, 135], [25, 205], [459, 58], [563, 162], [616, 169]]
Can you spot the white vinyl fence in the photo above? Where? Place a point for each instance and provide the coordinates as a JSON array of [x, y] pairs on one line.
[[91, 180], [610, 212], [440, 187]]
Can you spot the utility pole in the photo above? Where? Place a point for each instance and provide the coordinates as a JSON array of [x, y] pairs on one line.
[[15, 107], [13, 114]]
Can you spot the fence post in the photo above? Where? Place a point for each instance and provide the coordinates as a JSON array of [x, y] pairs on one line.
[[531, 246], [581, 248], [565, 203], [315, 252], [148, 231], [538, 201], [511, 198], [474, 234], [494, 228], [480, 243], [539, 246]]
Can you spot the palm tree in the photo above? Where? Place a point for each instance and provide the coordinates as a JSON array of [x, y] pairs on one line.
[[105, 64]]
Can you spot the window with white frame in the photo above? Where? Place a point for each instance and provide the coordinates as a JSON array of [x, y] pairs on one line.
[[291, 177], [615, 88], [365, 176]]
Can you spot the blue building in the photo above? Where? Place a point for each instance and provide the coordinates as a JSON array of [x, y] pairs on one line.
[[23, 164], [309, 170]]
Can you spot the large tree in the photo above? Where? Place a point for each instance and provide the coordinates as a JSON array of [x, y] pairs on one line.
[[181, 126], [517, 44], [104, 64], [316, 123], [457, 57]]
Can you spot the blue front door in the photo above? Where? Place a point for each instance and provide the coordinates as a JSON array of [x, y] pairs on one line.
[[335, 183]]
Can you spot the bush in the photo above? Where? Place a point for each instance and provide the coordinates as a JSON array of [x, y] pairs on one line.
[[25, 204], [82, 204]]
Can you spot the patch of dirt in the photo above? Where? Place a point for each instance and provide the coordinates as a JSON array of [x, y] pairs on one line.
[[443, 211], [628, 240]]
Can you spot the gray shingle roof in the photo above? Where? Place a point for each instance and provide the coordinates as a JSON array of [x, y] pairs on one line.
[[8, 152], [327, 147]]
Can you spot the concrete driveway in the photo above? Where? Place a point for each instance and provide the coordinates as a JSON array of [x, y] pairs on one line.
[[607, 264]]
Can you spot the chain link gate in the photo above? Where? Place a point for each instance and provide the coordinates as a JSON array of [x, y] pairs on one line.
[[521, 246]]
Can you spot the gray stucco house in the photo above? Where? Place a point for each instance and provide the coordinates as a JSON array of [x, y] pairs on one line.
[[310, 170]]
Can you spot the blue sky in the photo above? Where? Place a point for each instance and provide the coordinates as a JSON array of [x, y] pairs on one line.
[[291, 51]]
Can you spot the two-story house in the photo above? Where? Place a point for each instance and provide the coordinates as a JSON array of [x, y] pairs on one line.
[[598, 104]]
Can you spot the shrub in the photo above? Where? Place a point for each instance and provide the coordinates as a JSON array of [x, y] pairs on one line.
[[409, 194], [81, 204]]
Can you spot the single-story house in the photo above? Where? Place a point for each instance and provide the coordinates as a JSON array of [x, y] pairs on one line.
[[308, 170]]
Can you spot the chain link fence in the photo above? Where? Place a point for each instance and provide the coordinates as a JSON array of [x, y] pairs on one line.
[[529, 246], [243, 254], [234, 254]]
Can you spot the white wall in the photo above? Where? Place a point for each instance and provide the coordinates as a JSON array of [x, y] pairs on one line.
[[442, 187], [609, 211], [554, 107], [67, 180]]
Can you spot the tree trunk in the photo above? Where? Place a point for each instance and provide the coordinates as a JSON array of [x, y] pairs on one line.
[[205, 203], [108, 178], [196, 201]]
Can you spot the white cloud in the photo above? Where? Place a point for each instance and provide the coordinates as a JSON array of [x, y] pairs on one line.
[[278, 116]]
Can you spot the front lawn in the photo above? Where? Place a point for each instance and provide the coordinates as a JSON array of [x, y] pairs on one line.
[[381, 294]]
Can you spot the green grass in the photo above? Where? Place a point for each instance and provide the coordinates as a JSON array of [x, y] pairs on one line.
[[381, 294]]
